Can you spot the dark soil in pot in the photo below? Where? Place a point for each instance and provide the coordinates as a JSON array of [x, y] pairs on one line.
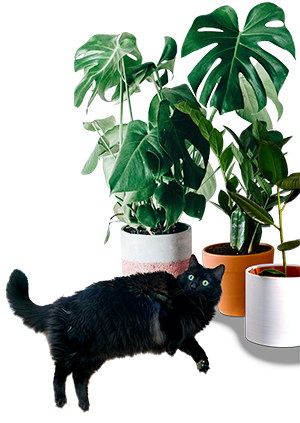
[[174, 229], [226, 250]]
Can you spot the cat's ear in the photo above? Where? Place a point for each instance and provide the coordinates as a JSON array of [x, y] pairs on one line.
[[193, 262], [219, 272]]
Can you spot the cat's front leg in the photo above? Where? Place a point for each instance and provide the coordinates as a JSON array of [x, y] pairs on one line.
[[191, 347]]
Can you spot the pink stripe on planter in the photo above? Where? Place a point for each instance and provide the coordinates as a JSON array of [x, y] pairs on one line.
[[175, 268]]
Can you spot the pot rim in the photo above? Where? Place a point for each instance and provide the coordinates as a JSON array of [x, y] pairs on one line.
[[188, 228], [235, 257], [271, 265]]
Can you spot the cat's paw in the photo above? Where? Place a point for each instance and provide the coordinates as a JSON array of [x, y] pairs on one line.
[[203, 365], [60, 400], [172, 348], [84, 404]]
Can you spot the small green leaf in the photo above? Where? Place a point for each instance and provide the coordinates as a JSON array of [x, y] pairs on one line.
[[216, 142], [171, 198], [146, 215], [226, 158], [224, 202], [100, 124], [289, 245], [271, 161], [292, 182], [271, 272], [255, 192], [253, 210], [92, 161], [247, 171], [194, 205], [238, 229], [259, 132], [169, 51]]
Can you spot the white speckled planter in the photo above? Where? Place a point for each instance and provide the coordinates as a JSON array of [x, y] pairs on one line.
[[272, 307], [150, 253]]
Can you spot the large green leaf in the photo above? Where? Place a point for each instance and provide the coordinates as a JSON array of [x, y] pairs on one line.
[[171, 198], [271, 161], [238, 229], [252, 209], [234, 49], [132, 171], [174, 129], [100, 58]]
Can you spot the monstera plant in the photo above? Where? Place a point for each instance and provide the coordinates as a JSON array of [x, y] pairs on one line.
[[158, 168]]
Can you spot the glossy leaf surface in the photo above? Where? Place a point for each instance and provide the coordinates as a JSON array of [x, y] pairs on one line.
[[232, 50]]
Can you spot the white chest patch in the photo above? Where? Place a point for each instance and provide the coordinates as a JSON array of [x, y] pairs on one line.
[[158, 335]]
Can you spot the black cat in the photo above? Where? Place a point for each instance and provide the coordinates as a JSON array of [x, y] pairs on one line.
[[152, 312]]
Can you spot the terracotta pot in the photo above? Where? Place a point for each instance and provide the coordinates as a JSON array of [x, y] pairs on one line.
[[232, 301], [151, 253], [272, 307]]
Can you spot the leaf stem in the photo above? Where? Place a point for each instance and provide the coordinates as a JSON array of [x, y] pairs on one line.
[[121, 113], [281, 232], [127, 89], [103, 141]]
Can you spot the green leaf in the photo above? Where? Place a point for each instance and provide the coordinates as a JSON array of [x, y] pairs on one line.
[[224, 202], [100, 58], [216, 142], [174, 129], [194, 205], [292, 182], [251, 111], [238, 229], [100, 124], [209, 185], [132, 171], [235, 48], [171, 198], [271, 161], [253, 210], [226, 158], [259, 132], [247, 171], [289, 245], [146, 216], [255, 192], [266, 186], [140, 195], [92, 161], [169, 52], [272, 272]]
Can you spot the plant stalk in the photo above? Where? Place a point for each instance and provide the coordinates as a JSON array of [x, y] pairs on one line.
[[281, 232], [121, 113], [127, 89]]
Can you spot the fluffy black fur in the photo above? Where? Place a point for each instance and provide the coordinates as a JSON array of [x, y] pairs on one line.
[[152, 312]]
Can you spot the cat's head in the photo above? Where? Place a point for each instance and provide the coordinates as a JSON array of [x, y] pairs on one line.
[[198, 281]]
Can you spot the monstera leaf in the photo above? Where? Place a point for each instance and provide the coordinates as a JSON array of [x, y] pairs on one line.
[[234, 49], [100, 58]]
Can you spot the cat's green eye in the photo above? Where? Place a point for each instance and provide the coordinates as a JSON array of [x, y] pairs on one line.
[[205, 283], [191, 277]]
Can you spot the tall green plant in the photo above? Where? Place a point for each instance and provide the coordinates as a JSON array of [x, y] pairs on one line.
[[274, 168], [155, 169]]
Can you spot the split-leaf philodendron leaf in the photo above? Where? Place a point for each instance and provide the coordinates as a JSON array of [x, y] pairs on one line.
[[101, 59], [234, 50]]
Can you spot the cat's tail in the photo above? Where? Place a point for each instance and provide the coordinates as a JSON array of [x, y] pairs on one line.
[[35, 317]]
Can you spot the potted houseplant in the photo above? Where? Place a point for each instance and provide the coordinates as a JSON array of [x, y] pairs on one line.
[[272, 312], [170, 156], [156, 168], [239, 86]]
